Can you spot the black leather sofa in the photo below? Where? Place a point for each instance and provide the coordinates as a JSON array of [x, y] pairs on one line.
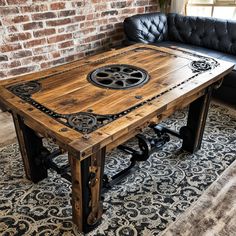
[[211, 36]]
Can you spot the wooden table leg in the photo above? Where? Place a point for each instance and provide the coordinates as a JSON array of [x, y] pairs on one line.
[[197, 115], [86, 190], [32, 150]]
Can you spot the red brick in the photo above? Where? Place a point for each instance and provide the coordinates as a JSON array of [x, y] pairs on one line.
[[78, 4], [59, 38], [21, 54], [19, 37], [94, 38], [69, 28], [129, 11], [110, 13], [10, 47], [40, 1], [120, 4], [113, 20], [44, 32], [73, 57], [16, 2], [33, 25], [89, 17], [103, 22], [45, 65], [141, 3], [102, 7], [2, 75], [58, 61], [141, 10], [15, 19], [67, 13], [83, 47], [19, 19], [34, 8], [78, 18], [55, 54], [14, 64], [44, 49], [76, 56], [66, 44], [87, 24], [57, 6], [67, 51], [2, 2], [151, 9], [62, 29], [30, 60], [97, 1], [12, 29], [22, 70], [43, 16], [106, 27], [85, 32], [5, 11], [59, 22], [34, 43]]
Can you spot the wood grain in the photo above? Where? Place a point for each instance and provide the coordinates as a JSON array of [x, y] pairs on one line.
[[65, 90]]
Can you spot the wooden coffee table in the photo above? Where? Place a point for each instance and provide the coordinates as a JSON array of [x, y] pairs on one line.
[[91, 106]]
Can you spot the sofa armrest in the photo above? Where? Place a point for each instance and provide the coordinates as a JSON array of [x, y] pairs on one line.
[[146, 28]]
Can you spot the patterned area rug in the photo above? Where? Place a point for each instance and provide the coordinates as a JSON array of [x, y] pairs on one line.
[[214, 213], [145, 203]]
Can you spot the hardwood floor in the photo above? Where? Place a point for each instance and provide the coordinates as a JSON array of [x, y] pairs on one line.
[[7, 130]]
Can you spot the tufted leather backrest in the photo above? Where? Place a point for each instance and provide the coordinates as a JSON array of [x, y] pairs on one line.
[[207, 32], [211, 33], [146, 28]]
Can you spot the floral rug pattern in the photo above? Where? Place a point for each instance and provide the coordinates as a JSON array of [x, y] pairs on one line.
[[144, 203]]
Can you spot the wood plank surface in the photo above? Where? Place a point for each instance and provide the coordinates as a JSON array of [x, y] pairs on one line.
[[76, 80], [66, 90], [84, 98], [159, 108]]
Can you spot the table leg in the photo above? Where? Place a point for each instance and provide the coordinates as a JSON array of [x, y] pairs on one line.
[[197, 115], [32, 150], [86, 190]]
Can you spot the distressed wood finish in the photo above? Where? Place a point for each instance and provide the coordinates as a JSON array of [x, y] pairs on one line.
[[65, 91], [32, 150], [86, 190], [197, 116]]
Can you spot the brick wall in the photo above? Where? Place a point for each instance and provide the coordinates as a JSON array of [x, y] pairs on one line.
[[38, 34]]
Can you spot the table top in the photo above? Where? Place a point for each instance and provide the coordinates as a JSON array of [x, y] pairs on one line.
[[70, 103]]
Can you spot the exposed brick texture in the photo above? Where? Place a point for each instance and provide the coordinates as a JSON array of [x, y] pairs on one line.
[[38, 34]]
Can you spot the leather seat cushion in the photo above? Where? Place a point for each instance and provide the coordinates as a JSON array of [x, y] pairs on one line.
[[230, 80]]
